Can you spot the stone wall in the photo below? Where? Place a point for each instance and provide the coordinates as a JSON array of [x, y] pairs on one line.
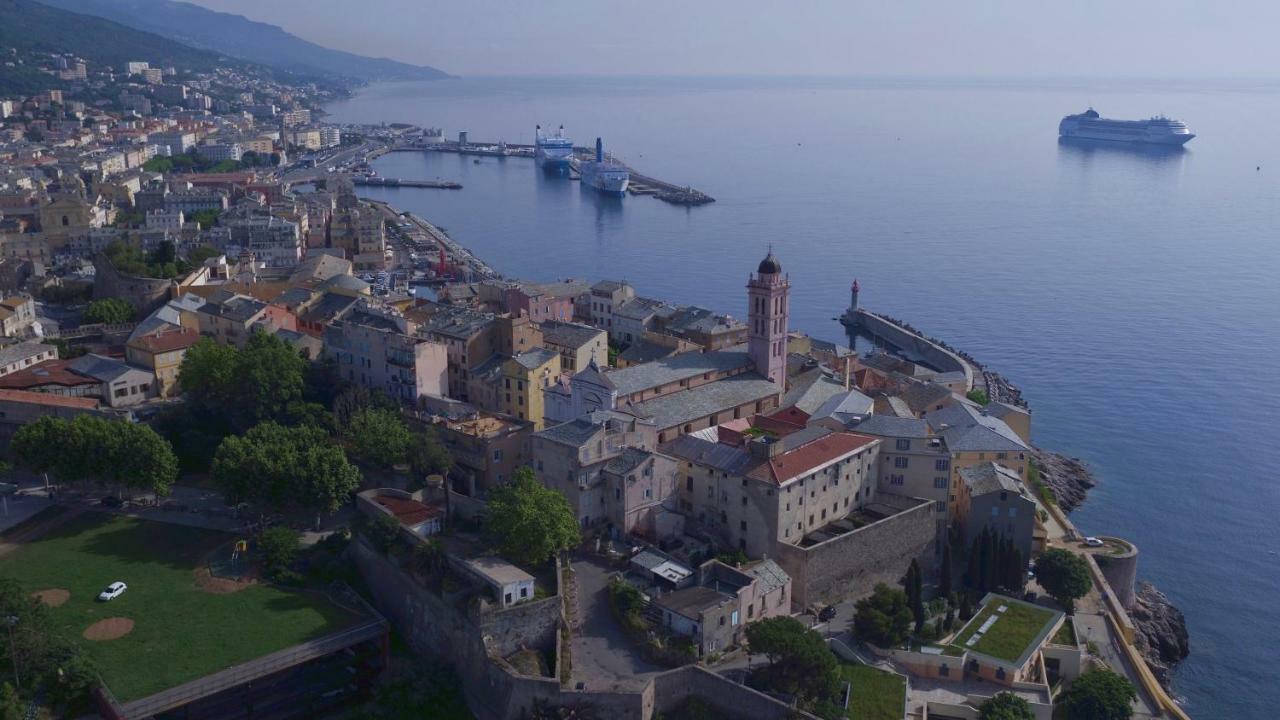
[[1121, 571], [849, 566], [915, 347], [145, 294], [671, 689]]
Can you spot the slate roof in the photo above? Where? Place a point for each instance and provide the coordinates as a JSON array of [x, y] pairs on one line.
[[22, 351], [922, 397], [677, 367], [644, 351], [894, 427], [810, 390], [100, 367], [692, 602], [628, 460], [725, 458], [573, 433], [238, 308], [991, 477], [327, 308], [845, 407], [457, 322], [638, 308], [573, 335], [592, 374], [688, 405], [769, 576], [535, 358], [968, 430]]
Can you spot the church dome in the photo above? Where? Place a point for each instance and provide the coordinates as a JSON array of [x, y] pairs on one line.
[[769, 265]]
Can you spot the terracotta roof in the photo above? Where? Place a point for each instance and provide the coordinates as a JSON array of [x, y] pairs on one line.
[[48, 399], [813, 454], [409, 512], [163, 342], [49, 372]]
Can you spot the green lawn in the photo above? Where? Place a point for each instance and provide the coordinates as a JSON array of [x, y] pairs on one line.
[[1066, 635], [874, 694], [180, 632], [1009, 637]]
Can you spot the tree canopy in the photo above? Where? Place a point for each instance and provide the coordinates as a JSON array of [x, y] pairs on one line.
[[263, 381], [883, 619], [799, 661], [88, 448], [1100, 695], [111, 311], [378, 437], [285, 468], [428, 456], [530, 522], [1064, 575], [42, 657], [1006, 706]]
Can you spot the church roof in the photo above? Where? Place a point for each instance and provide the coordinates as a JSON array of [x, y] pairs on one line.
[[769, 265], [591, 374]]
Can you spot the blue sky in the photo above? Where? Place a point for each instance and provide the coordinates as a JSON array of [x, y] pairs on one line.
[[1149, 38]]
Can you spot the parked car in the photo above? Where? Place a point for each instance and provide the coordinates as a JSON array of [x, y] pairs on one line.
[[827, 613], [7, 488], [1093, 542], [112, 501], [113, 591]]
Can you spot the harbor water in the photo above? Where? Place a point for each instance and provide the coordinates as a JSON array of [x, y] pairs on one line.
[[1132, 295]]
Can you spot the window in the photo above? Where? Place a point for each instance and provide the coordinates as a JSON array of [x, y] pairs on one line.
[[539, 466], [940, 483], [944, 671], [895, 479], [744, 501], [903, 444], [721, 621], [524, 592], [900, 462], [617, 493], [751, 611], [742, 525], [497, 455], [688, 483], [943, 464], [1000, 674], [995, 512], [734, 618], [940, 505]]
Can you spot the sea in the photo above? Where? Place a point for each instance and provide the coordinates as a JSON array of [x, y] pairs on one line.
[[1133, 295]]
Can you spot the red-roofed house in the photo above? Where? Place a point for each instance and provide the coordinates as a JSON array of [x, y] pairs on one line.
[[418, 518]]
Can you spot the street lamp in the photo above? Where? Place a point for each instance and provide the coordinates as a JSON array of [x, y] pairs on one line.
[[12, 622]]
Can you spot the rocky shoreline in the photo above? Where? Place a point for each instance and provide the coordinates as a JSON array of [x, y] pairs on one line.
[[1162, 631], [1067, 478], [1162, 635]]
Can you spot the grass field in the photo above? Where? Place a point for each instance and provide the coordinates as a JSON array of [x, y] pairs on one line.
[[180, 631], [874, 694], [1009, 637]]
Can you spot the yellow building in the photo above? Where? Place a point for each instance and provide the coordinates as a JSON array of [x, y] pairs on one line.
[[162, 352], [524, 377]]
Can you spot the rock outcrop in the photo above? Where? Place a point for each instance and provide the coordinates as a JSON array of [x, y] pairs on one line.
[[1162, 631], [1067, 478]]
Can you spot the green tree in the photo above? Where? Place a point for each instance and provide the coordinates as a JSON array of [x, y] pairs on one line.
[[202, 253], [283, 469], [429, 456], [884, 618], [279, 547], [378, 438], [38, 653], [93, 449], [269, 377], [799, 661], [205, 219], [944, 587], [111, 311], [208, 373], [531, 522], [1006, 706], [1064, 575], [979, 396], [1100, 695], [915, 594]]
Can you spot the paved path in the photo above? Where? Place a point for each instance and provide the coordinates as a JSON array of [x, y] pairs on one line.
[[604, 657]]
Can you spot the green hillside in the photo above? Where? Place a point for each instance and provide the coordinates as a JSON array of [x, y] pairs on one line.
[[29, 27]]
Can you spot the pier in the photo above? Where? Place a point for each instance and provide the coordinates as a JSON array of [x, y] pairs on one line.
[[371, 181], [640, 184]]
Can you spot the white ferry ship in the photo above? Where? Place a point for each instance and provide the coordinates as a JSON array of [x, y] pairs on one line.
[[1089, 125], [605, 175], [552, 152]]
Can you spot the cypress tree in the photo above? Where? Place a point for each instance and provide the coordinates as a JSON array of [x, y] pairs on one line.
[[945, 587]]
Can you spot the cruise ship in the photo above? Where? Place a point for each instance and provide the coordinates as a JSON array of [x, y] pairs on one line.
[[1088, 125], [605, 175], [552, 153]]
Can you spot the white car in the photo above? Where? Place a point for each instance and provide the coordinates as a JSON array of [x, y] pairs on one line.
[[1093, 542], [113, 591]]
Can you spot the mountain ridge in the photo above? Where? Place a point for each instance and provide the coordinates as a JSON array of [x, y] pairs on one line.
[[250, 40]]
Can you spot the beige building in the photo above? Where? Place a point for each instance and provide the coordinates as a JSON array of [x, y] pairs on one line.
[[577, 344], [161, 352], [524, 377], [17, 315], [377, 348]]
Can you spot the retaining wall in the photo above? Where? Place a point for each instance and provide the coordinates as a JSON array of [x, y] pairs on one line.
[[850, 565], [1121, 571]]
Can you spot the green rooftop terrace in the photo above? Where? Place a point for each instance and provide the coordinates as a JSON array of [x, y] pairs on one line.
[[1013, 631]]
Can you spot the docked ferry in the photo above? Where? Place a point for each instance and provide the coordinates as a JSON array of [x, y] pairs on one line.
[[1089, 125], [605, 175], [552, 152]]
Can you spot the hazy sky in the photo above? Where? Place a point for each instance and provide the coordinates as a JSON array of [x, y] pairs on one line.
[[1164, 38]]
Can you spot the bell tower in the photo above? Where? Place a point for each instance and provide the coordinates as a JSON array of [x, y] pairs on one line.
[[768, 297]]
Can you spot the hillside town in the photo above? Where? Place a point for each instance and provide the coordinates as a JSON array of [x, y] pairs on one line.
[[563, 494]]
